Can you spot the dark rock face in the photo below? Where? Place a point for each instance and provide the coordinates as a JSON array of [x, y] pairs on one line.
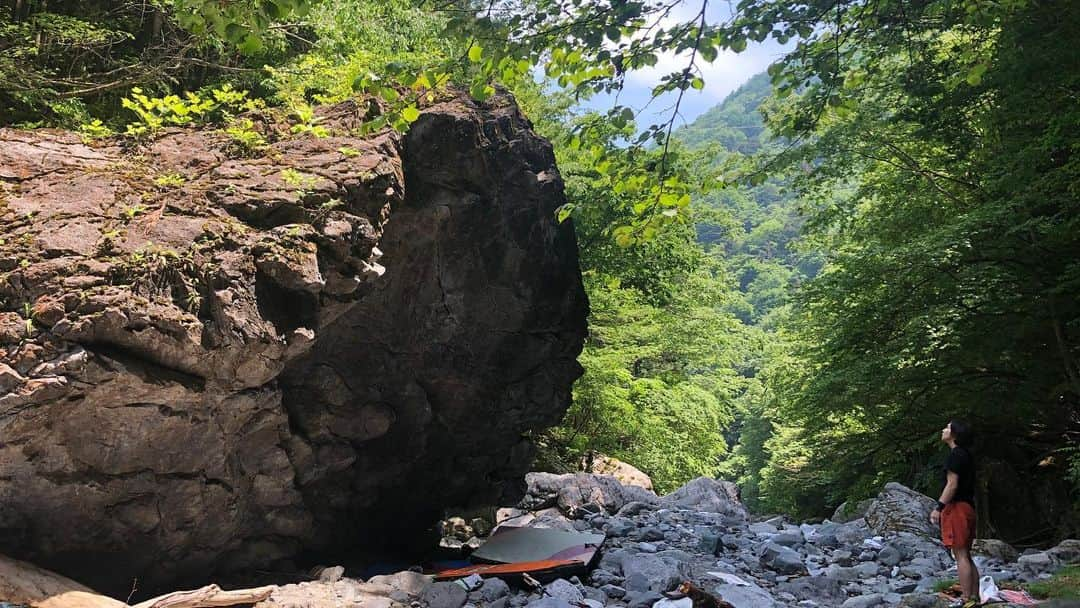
[[210, 362], [470, 340]]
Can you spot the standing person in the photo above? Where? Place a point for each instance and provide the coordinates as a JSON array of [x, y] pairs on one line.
[[955, 510]]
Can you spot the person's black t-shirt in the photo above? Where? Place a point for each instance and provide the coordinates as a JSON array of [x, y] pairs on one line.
[[961, 463]]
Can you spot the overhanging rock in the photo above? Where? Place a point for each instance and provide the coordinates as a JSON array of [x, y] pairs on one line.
[[211, 361]]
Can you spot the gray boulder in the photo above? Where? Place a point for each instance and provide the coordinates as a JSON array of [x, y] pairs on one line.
[[781, 559], [849, 512], [659, 572], [642, 600], [820, 589], [863, 601], [549, 602], [577, 494], [444, 595], [1067, 551], [710, 495], [493, 589], [613, 591], [564, 590], [746, 595], [901, 509], [996, 549], [1037, 563], [890, 556]]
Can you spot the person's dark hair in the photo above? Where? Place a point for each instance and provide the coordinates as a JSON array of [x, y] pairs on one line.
[[962, 433]]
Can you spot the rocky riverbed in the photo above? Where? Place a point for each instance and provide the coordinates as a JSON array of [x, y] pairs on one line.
[[884, 554], [887, 555]]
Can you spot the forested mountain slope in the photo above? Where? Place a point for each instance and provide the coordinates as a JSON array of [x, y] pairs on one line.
[[902, 271]]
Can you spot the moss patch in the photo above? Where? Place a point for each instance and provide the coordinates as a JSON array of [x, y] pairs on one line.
[[1065, 584]]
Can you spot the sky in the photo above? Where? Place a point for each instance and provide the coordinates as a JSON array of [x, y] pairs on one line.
[[729, 71]]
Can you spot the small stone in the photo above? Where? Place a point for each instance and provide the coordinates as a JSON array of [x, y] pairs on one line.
[[651, 533], [549, 602], [493, 589], [444, 595], [889, 556], [863, 601], [564, 590], [332, 574], [867, 569], [613, 591], [643, 600]]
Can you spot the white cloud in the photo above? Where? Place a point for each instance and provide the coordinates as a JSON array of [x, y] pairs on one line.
[[722, 76]]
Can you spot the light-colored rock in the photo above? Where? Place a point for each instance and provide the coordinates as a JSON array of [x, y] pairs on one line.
[[1067, 551], [564, 590], [746, 595], [573, 492], [413, 584], [24, 583], [901, 509], [626, 473], [994, 548], [710, 495], [1037, 563]]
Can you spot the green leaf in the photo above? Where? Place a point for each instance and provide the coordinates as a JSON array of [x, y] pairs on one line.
[[410, 114], [481, 91], [252, 44], [235, 32], [475, 53], [975, 74], [697, 83], [563, 212]]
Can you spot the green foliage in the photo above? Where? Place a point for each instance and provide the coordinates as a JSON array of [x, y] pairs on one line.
[[657, 388], [246, 140], [95, 129], [1065, 584], [170, 180], [659, 382], [306, 122], [155, 113], [933, 171], [62, 63], [243, 24]]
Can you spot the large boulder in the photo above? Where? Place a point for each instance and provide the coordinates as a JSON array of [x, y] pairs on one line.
[[900, 509], [576, 493], [709, 495], [994, 548], [626, 473], [1067, 551], [212, 360]]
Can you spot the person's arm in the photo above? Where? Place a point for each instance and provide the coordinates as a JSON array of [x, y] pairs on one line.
[[952, 481]]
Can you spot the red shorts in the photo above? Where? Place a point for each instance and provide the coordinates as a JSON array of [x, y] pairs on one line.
[[958, 525]]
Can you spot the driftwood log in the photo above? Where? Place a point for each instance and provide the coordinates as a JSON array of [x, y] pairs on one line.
[[208, 597], [25, 583]]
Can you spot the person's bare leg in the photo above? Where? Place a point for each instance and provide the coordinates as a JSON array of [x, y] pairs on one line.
[[967, 573]]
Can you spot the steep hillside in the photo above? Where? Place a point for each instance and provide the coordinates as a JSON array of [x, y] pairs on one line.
[[753, 228]]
